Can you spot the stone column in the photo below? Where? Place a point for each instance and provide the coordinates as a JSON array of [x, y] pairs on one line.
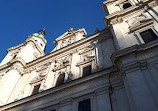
[[98, 54]]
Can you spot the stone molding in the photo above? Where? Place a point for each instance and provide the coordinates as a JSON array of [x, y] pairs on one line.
[[136, 50], [15, 47], [141, 25], [70, 33], [17, 63], [37, 37], [56, 89], [62, 63], [108, 2], [36, 80], [117, 17], [28, 40], [68, 49]]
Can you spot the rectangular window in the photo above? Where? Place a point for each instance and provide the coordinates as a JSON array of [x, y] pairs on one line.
[[86, 70], [84, 105], [148, 35], [36, 89]]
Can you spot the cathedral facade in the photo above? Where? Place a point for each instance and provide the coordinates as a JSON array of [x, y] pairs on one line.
[[114, 69]]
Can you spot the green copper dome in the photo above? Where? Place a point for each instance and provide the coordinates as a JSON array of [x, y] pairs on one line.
[[41, 35]]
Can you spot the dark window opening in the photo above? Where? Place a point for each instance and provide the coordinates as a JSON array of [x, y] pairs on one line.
[[14, 56], [36, 89], [84, 105], [42, 45], [126, 5], [87, 70], [148, 35], [60, 80]]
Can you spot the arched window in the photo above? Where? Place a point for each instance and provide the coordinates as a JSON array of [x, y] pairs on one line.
[[60, 79], [126, 5]]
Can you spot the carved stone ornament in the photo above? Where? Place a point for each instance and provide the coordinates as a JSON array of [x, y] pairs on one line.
[[43, 86], [116, 20], [67, 41], [135, 21], [29, 70], [86, 49], [38, 78], [62, 63], [86, 58]]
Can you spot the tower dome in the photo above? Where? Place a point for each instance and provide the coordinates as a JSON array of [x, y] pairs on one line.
[[41, 34]]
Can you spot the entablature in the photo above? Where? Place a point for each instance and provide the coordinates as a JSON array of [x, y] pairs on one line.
[[68, 49], [17, 63], [118, 16], [138, 55]]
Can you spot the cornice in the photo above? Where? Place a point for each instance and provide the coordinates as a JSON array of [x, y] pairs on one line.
[[17, 64], [84, 62], [28, 67], [141, 25], [108, 2], [69, 48], [62, 67], [28, 40], [117, 16], [62, 87], [37, 37], [136, 50], [15, 47], [73, 32]]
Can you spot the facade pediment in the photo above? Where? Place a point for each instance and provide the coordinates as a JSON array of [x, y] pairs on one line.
[[69, 37]]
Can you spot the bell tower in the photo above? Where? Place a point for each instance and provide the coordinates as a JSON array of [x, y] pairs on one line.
[[32, 48], [131, 21], [11, 68]]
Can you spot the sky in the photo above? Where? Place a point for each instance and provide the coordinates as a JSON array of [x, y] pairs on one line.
[[21, 18]]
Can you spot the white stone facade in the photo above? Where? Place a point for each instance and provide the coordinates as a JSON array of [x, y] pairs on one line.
[[115, 69]]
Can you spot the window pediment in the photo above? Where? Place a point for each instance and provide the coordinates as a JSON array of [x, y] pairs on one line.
[[86, 59], [62, 63], [141, 24]]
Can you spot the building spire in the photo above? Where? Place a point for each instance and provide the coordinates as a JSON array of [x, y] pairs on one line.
[[42, 32]]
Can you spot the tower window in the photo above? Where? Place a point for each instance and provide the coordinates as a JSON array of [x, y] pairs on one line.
[[84, 105], [60, 79], [126, 5], [86, 70], [148, 35], [36, 89], [42, 45], [14, 56]]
